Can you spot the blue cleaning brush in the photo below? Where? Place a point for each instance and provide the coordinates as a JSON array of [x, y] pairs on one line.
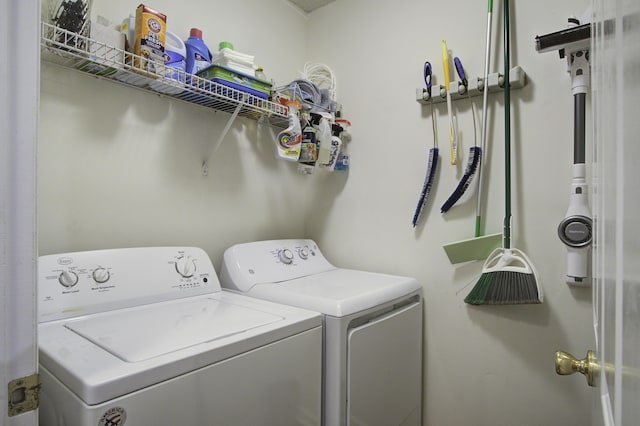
[[472, 166], [432, 164], [475, 152], [428, 183]]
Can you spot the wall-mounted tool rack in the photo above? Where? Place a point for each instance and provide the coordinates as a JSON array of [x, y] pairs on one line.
[[517, 78]]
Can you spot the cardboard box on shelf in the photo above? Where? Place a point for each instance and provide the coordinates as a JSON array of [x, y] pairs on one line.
[[149, 39]]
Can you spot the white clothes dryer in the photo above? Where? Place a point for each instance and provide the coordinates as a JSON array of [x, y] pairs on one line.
[[372, 347], [146, 336]]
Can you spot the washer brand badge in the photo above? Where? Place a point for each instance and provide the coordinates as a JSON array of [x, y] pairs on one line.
[[65, 261], [115, 416]]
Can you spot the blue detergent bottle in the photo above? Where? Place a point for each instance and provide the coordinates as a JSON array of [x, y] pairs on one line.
[[198, 54]]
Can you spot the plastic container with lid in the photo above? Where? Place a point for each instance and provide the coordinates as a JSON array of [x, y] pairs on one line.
[[228, 57], [237, 80], [128, 28], [175, 53], [260, 75], [225, 45]]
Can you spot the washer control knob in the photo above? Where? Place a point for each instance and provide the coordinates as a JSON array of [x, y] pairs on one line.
[[185, 266], [68, 278], [101, 275], [285, 256], [303, 253]]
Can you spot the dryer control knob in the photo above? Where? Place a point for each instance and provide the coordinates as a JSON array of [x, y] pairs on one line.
[[101, 275], [303, 253], [68, 278], [285, 256], [185, 266]]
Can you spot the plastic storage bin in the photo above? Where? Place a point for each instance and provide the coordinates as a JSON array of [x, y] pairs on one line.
[[237, 80]]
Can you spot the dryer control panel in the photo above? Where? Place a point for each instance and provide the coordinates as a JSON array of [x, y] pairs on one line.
[[248, 264], [79, 283]]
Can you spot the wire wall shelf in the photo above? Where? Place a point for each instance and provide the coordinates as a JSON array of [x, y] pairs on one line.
[[73, 51]]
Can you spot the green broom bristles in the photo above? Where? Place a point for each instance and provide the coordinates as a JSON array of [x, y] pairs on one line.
[[504, 288], [478, 293]]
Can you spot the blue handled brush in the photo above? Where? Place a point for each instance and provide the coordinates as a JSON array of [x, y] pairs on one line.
[[475, 152], [432, 163]]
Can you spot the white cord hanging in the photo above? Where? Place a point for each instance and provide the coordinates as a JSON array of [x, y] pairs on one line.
[[322, 76]]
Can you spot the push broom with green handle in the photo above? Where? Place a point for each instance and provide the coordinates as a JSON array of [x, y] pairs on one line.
[[508, 276], [480, 246]]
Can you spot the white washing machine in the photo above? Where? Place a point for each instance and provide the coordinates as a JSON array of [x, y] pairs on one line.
[[146, 336], [372, 353]]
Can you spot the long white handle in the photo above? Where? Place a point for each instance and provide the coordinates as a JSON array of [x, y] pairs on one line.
[[483, 142]]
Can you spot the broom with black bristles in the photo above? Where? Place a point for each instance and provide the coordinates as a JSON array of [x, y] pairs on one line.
[[508, 276]]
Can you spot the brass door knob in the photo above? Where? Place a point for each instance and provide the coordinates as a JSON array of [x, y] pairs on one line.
[[568, 364]]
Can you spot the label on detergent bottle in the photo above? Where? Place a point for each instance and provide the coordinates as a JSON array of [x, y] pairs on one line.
[[343, 162], [338, 157], [176, 61], [339, 131], [333, 152], [199, 63], [324, 142], [289, 145], [309, 145], [289, 140]]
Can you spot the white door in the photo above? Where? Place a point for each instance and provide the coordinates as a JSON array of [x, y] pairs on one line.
[[616, 104], [19, 91]]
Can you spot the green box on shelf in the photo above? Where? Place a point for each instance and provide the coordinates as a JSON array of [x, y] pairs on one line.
[[236, 80]]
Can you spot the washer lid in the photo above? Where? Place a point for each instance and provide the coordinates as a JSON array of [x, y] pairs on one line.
[[91, 354], [339, 292], [152, 331]]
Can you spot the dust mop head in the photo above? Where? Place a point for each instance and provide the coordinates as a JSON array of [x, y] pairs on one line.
[[508, 278]]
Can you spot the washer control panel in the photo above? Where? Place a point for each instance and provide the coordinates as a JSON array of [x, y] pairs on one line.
[[79, 283], [246, 265]]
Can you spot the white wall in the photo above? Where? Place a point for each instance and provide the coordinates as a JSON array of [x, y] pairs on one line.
[[118, 167], [484, 365]]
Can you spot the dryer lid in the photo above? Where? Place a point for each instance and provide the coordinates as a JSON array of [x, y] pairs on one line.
[[339, 292], [151, 331]]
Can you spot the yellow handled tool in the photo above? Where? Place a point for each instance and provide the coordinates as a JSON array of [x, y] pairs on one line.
[[453, 132]]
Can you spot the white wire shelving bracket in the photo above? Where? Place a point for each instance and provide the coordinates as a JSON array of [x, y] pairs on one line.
[[73, 51], [234, 115], [517, 80]]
